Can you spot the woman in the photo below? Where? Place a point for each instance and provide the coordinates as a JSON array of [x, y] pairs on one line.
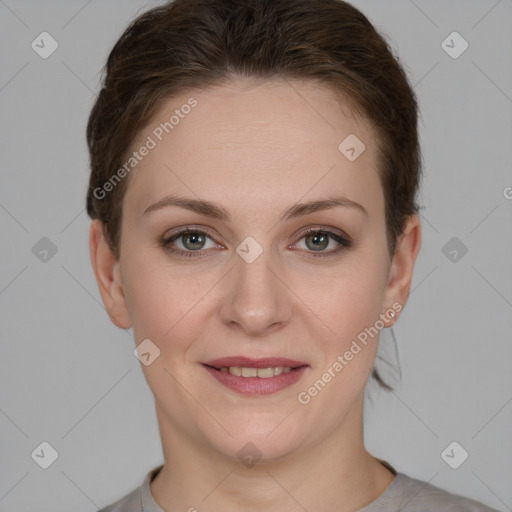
[[254, 172]]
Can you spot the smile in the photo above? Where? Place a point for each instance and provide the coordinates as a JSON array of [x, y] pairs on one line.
[[256, 376]]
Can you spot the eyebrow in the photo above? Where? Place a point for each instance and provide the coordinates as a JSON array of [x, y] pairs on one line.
[[218, 212]]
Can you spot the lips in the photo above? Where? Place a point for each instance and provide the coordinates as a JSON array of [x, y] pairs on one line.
[[249, 376]]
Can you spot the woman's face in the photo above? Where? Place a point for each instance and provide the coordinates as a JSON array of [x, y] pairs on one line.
[[253, 285]]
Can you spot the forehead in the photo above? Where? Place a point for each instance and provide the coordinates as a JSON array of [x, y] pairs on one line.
[[242, 143]]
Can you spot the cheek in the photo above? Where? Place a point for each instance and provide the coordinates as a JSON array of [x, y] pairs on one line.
[[346, 300], [163, 302], [350, 345]]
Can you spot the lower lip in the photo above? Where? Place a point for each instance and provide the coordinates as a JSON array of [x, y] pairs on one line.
[[257, 385]]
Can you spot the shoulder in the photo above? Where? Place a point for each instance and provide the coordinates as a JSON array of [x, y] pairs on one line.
[[129, 503], [139, 500], [417, 495]]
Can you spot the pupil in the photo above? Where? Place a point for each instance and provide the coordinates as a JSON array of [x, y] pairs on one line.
[[321, 238], [196, 239]]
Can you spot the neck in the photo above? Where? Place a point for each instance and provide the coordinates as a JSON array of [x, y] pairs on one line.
[[334, 474]]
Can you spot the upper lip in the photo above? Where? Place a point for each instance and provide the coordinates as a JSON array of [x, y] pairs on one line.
[[248, 362]]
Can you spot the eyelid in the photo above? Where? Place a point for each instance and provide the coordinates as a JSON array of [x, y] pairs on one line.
[[189, 228], [327, 229]]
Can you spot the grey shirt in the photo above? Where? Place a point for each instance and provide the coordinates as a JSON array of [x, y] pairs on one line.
[[404, 494]]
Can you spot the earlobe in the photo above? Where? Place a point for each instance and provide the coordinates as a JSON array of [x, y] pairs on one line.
[[107, 271], [402, 266]]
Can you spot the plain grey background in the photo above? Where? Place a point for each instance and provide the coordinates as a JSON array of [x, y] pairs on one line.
[[69, 376]]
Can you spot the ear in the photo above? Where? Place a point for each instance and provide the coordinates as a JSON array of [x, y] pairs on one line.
[[107, 272], [402, 266]]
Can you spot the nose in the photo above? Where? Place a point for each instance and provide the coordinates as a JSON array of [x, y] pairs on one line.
[[257, 300]]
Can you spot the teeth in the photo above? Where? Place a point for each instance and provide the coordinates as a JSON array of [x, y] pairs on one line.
[[262, 373], [249, 372]]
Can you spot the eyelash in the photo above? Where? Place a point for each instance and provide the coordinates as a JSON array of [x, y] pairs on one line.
[[343, 243]]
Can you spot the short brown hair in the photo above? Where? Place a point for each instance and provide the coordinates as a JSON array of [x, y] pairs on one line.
[[188, 44]]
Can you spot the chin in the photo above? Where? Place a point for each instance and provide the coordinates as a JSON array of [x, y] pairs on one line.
[[256, 438]]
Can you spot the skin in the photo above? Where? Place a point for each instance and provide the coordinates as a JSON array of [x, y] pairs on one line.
[[256, 150]]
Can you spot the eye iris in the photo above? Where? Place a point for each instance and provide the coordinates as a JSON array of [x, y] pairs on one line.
[[196, 240], [320, 241]]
